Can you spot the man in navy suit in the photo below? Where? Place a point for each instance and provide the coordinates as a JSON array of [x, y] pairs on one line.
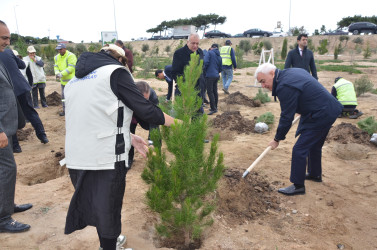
[[299, 92], [167, 75], [8, 127]]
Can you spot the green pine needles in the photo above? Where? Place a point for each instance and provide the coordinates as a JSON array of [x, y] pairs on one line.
[[183, 179]]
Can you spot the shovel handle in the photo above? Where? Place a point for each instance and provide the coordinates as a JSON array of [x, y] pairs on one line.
[[256, 161]]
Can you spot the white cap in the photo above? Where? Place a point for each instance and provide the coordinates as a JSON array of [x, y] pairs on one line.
[[31, 49], [15, 52], [113, 47]]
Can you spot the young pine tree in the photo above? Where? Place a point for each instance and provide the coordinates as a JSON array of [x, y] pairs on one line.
[[179, 188]]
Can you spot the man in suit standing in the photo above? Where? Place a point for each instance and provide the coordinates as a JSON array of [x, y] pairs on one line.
[[8, 127]]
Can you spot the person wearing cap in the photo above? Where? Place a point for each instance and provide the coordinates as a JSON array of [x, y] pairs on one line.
[[212, 69], [100, 102], [65, 64], [298, 92], [166, 74], [22, 92], [36, 76], [301, 56], [128, 54], [344, 91], [229, 63], [8, 127]]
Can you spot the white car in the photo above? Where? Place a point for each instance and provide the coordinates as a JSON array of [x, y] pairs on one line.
[[279, 34]]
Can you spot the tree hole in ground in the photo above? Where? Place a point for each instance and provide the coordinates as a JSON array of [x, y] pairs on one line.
[[41, 171], [242, 199]]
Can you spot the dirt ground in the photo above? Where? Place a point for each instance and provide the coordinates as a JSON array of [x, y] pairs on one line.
[[339, 213]]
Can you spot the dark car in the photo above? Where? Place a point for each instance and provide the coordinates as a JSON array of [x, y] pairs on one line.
[[155, 38], [216, 33], [362, 27], [336, 32], [257, 32], [239, 35]]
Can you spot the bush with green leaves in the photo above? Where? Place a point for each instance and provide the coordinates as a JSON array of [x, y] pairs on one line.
[[336, 52], [48, 51], [369, 125], [80, 48], [363, 85], [262, 96], [344, 38], [284, 49], [267, 45], [145, 47], [322, 49], [367, 52], [311, 45], [179, 188], [245, 45], [167, 49], [95, 47], [358, 40], [267, 118], [239, 57]]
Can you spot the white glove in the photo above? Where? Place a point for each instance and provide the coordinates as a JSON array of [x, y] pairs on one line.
[[59, 75]]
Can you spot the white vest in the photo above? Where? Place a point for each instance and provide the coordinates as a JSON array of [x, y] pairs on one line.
[[91, 113], [37, 72]]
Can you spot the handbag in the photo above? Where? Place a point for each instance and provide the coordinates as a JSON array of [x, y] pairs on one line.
[[21, 116]]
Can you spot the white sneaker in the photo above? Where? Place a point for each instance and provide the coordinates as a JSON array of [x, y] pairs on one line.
[[120, 241]]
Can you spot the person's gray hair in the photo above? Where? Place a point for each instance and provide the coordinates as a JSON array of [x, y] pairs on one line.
[[192, 35], [265, 68], [143, 87]]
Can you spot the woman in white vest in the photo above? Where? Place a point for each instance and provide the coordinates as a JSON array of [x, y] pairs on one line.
[[100, 101], [36, 76]]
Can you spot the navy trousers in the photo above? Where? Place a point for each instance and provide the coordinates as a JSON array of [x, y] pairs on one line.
[[308, 151], [31, 115]]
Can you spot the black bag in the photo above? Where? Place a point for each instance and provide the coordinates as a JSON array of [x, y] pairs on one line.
[[21, 116]]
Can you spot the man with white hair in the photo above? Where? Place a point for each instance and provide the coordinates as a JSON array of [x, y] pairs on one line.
[[298, 92]]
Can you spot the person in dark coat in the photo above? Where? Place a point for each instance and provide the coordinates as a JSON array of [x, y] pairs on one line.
[[298, 92], [22, 91], [167, 75], [182, 58], [8, 127], [212, 68], [128, 53], [301, 57]]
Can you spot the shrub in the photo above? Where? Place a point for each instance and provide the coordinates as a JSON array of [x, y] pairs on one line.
[[336, 52], [262, 97], [358, 40], [145, 47], [80, 48], [284, 50], [48, 51], [369, 125], [245, 46], [167, 49], [95, 47], [239, 57], [311, 45], [367, 52], [49, 67], [179, 189], [180, 45], [267, 45], [344, 38], [267, 118], [130, 47], [322, 49], [363, 85]]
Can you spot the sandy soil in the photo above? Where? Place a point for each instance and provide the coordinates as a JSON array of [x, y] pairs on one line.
[[338, 213]]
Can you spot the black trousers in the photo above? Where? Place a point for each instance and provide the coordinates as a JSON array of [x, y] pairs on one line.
[[42, 94], [211, 84], [32, 115]]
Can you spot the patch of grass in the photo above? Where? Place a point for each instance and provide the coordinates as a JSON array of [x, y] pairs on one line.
[[340, 68], [328, 61], [237, 74], [45, 209], [248, 64], [369, 125], [249, 74]]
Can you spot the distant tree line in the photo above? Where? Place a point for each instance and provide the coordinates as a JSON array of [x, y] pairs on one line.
[[14, 38], [201, 22], [346, 21]]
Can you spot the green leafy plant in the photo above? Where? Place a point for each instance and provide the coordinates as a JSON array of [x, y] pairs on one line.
[[245, 46], [358, 40], [145, 47], [368, 124], [267, 118], [322, 49], [262, 96], [179, 188], [363, 85], [267, 45], [367, 52], [284, 50], [167, 49]]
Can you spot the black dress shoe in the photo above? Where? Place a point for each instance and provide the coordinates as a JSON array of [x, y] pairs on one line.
[[23, 207], [292, 190], [313, 178], [62, 113], [13, 226], [44, 140], [17, 149], [212, 112]]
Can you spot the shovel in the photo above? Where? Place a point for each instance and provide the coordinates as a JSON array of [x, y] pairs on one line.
[[263, 154]]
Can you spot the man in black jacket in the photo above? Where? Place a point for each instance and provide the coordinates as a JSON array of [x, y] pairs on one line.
[[301, 57], [182, 58], [166, 74]]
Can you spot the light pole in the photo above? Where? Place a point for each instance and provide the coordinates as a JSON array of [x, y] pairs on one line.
[[289, 30], [14, 7], [115, 20]]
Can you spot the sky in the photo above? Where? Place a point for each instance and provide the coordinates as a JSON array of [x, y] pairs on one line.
[[84, 20]]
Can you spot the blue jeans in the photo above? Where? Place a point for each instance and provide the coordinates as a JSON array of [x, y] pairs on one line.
[[227, 76]]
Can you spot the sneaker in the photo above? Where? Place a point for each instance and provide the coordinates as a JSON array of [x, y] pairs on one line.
[[121, 241], [355, 116], [226, 91], [17, 149]]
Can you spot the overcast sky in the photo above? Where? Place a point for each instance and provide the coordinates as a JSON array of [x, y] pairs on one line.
[[77, 20]]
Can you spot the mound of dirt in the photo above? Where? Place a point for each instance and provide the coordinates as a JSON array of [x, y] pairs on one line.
[[54, 99], [239, 98], [233, 120], [246, 198], [348, 133], [23, 134]]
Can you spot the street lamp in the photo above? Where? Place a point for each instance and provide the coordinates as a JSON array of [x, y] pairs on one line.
[[289, 30], [115, 20], [14, 7]]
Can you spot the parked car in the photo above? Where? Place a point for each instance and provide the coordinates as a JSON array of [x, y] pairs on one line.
[[257, 32], [362, 27], [155, 38], [336, 32], [239, 35], [216, 33], [279, 34]]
